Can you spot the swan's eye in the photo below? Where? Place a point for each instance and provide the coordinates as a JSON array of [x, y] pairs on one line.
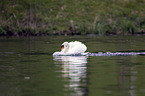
[[62, 46]]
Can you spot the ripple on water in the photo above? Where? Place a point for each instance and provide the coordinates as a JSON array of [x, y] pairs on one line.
[[99, 54]]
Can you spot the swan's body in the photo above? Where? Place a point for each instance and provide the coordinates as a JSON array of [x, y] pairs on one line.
[[73, 47], [70, 48]]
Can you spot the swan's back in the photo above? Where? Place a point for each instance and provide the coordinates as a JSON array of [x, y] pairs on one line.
[[77, 47]]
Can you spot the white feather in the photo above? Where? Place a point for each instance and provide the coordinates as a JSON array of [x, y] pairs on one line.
[[74, 47]]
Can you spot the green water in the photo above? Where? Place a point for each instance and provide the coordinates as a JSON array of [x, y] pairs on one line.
[[27, 67]]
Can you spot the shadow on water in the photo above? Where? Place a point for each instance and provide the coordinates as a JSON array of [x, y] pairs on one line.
[[74, 70], [37, 53]]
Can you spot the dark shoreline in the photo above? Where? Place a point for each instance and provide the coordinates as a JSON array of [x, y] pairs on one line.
[[10, 34]]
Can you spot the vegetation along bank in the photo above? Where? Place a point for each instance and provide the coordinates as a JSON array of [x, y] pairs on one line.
[[71, 17]]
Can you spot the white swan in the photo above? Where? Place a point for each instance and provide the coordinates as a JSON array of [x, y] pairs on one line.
[[70, 48], [73, 47]]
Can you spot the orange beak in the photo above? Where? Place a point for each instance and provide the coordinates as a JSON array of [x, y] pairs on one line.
[[62, 48]]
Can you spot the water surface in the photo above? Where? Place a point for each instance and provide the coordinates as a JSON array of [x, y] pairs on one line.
[[27, 67]]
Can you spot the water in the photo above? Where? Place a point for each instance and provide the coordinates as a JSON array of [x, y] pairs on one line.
[[99, 54], [27, 67]]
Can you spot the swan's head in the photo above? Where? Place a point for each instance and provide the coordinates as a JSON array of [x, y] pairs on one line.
[[64, 47]]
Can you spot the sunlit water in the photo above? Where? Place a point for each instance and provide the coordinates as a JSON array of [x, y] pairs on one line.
[[27, 67]]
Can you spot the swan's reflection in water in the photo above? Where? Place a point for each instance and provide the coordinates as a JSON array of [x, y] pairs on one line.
[[74, 71]]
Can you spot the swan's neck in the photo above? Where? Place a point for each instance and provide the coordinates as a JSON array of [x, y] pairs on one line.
[[66, 49]]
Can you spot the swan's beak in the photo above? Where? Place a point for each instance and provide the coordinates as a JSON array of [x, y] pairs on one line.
[[62, 47]]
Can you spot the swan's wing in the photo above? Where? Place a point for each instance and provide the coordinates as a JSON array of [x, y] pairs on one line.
[[77, 47]]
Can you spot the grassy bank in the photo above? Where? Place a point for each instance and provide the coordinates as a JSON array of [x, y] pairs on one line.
[[70, 17]]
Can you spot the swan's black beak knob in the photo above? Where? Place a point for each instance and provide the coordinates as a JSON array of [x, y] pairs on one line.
[[62, 47]]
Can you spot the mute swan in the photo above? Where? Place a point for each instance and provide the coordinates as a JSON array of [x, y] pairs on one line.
[[72, 48]]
